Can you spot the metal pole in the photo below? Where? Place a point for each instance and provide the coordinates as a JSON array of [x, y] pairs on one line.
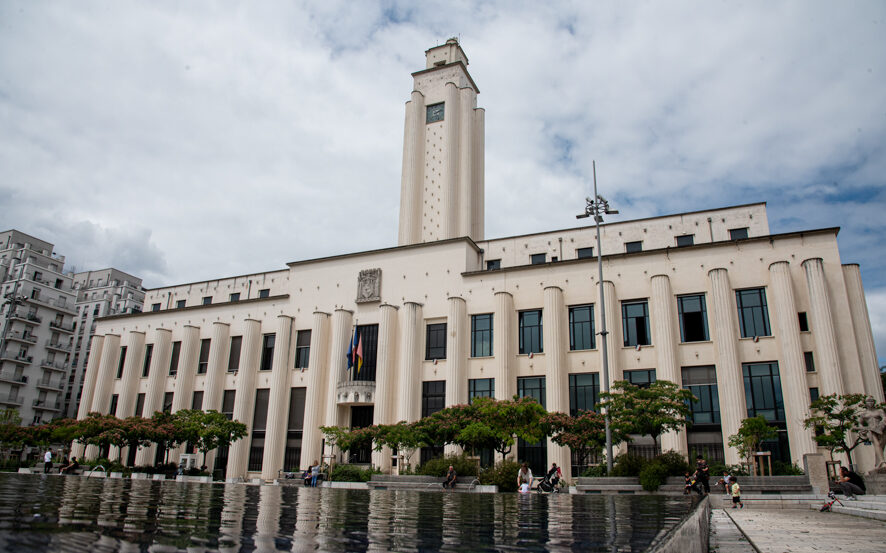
[[603, 332]]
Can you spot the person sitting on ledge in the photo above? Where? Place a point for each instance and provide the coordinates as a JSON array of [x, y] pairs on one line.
[[70, 467], [850, 483], [450, 478]]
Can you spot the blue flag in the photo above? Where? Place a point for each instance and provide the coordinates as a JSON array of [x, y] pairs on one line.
[[352, 350]]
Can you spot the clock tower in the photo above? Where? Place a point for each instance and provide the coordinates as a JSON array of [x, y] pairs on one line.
[[441, 193]]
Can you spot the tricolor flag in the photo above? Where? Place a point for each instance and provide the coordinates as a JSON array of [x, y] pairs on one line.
[[355, 352]]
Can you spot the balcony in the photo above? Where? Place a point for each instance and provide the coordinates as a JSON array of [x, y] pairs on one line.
[[19, 336], [17, 358], [54, 304], [355, 392], [62, 327], [58, 346], [44, 405], [16, 401], [54, 365], [46, 384], [13, 379], [26, 317]]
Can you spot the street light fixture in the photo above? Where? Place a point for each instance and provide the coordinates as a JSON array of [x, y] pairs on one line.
[[599, 206]]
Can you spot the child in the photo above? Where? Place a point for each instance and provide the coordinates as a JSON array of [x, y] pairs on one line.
[[736, 494], [688, 483]]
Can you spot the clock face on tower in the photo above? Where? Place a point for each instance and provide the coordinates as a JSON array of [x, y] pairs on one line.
[[435, 113]]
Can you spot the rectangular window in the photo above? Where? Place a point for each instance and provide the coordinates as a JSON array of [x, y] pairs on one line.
[[685, 240], [634, 247], [534, 454], [207, 300], [493, 264], [234, 356], [114, 399], [538, 258], [234, 297], [481, 387], [584, 253], [146, 366], [762, 387], [481, 335], [635, 323], [121, 362], [738, 233], [294, 430], [584, 392], [267, 352], [433, 397], [167, 402], [180, 303], [139, 405], [702, 382], [259, 424], [581, 328], [804, 322], [753, 316], [435, 345], [197, 401], [203, 363], [173, 360], [264, 293], [369, 337], [155, 307], [530, 331], [302, 349], [532, 386], [693, 318], [640, 378], [228, 403], [810, 361]]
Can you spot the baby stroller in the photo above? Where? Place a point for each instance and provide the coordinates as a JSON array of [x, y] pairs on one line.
[[550, 484]]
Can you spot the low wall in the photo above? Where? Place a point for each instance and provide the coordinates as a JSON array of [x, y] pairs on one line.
[[691, 535]]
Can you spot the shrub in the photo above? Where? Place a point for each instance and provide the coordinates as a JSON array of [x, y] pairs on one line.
[[503, 475], [717, 469], [674, 463], [653, 475], [628, 465], [594, 471], [438, 466], [351, 473], [781, 468]]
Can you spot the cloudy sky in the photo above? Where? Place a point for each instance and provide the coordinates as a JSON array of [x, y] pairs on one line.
[[182, 141]]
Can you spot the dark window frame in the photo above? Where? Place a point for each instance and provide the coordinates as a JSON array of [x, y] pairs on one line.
[[753, 320], [582, 335], [433, 397], [685, 317], [482, 334], [234, 354], [203, 359], [481, 387], [302, 349], [268, 342], [538, 258], [631, 331], [584, 392], [634, 247], [685, 240], [435, 341], [584, 253], [530, 333]]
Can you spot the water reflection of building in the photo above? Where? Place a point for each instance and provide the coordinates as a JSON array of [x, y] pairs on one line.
[[754, 323]]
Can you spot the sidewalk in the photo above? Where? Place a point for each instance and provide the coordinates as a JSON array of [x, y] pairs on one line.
[[799, 531]]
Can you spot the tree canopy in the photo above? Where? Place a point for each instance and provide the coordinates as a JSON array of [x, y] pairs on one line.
[[752, 432], [650, 411], [835, 420]]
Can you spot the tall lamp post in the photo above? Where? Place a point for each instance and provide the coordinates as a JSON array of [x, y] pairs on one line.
[[598, 206]]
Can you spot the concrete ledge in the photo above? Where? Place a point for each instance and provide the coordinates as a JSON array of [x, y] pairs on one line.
[[24, 471], [690, 535], [345, 485], [140, 476]]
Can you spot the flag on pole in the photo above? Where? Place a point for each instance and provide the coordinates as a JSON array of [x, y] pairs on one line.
[[358, 354], [352, 350]]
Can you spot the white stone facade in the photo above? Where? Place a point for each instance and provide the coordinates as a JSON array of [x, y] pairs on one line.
[[291, 329]]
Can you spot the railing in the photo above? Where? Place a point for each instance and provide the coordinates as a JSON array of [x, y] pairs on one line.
[[42, 404], [26, 316], [47, 383], [24, 358], [22, 337], [47, 364], [60, 326], [58, 346], [11, 400], [20, 379]]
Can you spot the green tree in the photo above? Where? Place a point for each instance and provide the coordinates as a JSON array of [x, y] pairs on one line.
[[402, 437], [661, 407], [835, 419], [217, 431], [584, 434], [752, 432]]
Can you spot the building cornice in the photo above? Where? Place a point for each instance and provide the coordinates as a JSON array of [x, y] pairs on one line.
[[190, 308], [447, 66], [464, 239]]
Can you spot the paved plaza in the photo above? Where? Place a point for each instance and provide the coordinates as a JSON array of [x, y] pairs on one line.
[[794, 531]]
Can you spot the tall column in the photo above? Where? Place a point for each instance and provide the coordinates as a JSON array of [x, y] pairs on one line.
[[503, 338], [413, 171], [613, 338], [244, 401], [792, 366], [864, 338], [478, 190], [829, 368], [135, 351], [278, 401], [89, 379], [409, 402], [342, 333], [101, 401], [457, 352], [730, 384], [467, 100], [157, 374], [664, 339], [450, 187], [385, 374], [316, 398], [219, 350], [555, 342], [187, 369]]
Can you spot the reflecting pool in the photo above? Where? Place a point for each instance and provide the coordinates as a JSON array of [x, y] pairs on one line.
[[74, 514]]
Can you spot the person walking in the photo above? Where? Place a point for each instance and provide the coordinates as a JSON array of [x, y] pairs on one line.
[[702, 473], [47, 461], [736, 494]]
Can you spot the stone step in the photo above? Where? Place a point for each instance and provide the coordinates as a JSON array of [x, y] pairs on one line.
[[876, 514]]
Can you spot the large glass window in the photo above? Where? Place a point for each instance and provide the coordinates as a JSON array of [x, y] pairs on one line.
[[259, 424], [302, 349], [146, 366], [173, 360], [762, 388], [433, 397], [481, 387], [584, 253], [121, 362], [535, 454], [234, 355], [481, 335], [435, 345], [530, 331], [538, 258], [753, 316], [368, 336], [532, 386], [641, 378], [635, 323], [693, 318], [197, 400], [584, 392], [702, 382], [139, 405], [267, 352], [203, 362], [581, 327], [294, 429]]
